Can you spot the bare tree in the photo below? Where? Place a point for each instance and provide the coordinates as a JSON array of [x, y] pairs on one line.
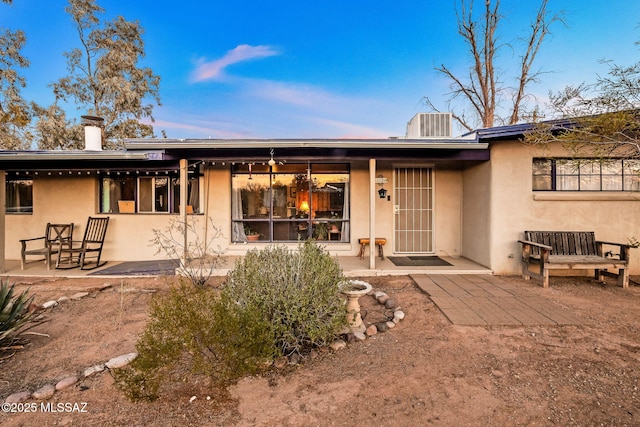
[[105, 79], [482, 89]]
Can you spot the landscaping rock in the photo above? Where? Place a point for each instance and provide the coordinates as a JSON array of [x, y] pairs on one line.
[[63, 299], [398, 315], [66, 382], [18, 397], [338, 345], [382, 299], [120, 361], [44, 392], [79, 295], [360, 336], [382, 326], [390, 304], [49, 304], [93, 370], [371, 330], [390, 324]]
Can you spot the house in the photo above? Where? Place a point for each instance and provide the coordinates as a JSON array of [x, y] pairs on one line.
[[427, 193]]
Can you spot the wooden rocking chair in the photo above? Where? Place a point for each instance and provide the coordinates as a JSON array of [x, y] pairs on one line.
[[89, 250], [55, 237]]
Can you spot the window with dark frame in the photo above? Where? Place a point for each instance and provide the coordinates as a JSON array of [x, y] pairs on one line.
[[137, 193], [19, 196], [563, 174], [290, 202]]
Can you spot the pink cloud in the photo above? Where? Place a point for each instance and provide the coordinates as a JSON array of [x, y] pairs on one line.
[[212, 70]]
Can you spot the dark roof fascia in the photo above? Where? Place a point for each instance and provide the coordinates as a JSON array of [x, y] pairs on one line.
[[82, 160], [6, 155], [352, 144]]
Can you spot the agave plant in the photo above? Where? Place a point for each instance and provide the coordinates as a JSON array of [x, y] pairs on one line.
[[14, 314]]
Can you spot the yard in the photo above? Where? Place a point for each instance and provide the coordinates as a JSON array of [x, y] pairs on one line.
[[424, 371]]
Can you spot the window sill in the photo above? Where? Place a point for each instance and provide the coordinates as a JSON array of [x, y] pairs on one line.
[[586, 196]]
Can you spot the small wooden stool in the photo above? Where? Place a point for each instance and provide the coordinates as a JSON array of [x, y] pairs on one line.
[[379, 243]]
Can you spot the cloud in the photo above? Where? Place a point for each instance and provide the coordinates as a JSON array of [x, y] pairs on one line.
[[205, 130], [213, 70]]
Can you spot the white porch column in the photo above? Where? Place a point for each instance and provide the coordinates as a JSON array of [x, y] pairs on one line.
[[184, 186], [372, 214], [3, 209]]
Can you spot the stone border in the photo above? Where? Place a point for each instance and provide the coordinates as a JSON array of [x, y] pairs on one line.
[[49, 389], [363, 332], [351, 334]]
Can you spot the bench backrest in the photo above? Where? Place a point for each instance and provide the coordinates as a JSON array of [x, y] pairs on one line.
[[564, 242]]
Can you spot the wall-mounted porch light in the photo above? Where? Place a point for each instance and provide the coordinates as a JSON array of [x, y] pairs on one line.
[[381, 181]]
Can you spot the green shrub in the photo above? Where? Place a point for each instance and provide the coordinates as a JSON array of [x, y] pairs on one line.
[[275, 302], [296, 291], [15, 316], [203, 329]]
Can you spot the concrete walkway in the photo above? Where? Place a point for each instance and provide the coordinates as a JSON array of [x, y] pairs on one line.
[[486, 300]]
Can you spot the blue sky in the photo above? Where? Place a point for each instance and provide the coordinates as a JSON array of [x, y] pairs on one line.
[[329, 69]]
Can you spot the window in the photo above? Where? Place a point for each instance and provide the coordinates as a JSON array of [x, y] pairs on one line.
[[147, 194], [290, 202], [19, 196], [586, 175]]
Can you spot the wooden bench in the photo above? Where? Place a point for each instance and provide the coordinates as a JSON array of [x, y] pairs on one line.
[[379, 243], [569, 250]]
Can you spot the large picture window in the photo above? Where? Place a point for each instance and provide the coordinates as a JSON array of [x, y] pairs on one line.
[[19, 196], [290, 202], [125, 193], [586, 175]]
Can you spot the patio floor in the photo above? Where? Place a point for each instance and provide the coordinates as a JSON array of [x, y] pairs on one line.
[[351, 265], [487, 300]]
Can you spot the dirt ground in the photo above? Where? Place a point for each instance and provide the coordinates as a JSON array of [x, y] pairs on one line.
[[425, 371]]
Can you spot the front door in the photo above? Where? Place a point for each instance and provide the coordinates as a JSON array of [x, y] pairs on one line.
[[413, 193]]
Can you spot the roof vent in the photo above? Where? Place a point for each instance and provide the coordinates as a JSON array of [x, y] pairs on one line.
[[429, 125], [92, 132]]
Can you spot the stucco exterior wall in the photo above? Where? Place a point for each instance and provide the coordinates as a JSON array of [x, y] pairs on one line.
[[64, 199], [515, 207], [477, 211], [74, 199]]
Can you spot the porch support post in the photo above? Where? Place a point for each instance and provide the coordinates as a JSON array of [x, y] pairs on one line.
[[184, 185], [372, 214], [3, 204]]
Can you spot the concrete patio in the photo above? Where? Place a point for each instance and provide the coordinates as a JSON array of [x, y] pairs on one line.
[[352, 267]]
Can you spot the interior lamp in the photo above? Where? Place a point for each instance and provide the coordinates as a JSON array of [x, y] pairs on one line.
[[304, 206]]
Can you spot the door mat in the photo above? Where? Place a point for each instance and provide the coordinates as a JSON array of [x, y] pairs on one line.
[[418, 261], [165, 267]]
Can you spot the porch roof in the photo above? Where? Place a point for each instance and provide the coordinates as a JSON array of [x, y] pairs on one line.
[[164, 154]]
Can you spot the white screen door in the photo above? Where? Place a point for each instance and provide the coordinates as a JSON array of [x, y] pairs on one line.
[[413, 192]]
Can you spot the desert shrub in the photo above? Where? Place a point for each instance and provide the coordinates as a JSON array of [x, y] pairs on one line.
[[201, 329], [296, 291], [15, 314], [199, 258]]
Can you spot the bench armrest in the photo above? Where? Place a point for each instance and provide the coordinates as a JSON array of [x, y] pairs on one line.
[[612, 243], [539, 245]]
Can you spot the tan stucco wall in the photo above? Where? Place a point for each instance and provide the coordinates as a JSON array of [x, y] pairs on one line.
[[73, 199], [515, 208], [476, 224]]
